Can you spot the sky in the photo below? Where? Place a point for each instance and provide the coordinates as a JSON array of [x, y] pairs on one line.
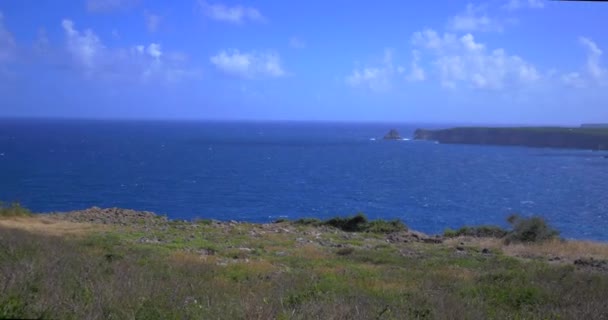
[[495, 61]]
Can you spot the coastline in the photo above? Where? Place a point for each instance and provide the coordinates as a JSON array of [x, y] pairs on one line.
[[590, 138]]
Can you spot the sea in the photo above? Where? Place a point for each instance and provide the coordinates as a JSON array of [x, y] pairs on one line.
[[264, 171]]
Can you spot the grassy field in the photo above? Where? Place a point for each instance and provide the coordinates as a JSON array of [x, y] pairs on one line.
[[52, 268]]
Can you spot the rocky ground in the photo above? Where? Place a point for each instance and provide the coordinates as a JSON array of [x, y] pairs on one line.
[[157, 225], [126, 264], [114, 216]]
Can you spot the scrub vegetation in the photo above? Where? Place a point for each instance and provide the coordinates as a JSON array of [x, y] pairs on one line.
[[343, 268]]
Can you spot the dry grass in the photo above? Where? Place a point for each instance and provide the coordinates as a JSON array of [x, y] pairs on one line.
[[44, 274], [568, 250], [563, 249], [49, 226]]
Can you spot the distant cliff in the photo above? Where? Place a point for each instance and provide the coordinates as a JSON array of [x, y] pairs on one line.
[[594, 125], [550, 137]]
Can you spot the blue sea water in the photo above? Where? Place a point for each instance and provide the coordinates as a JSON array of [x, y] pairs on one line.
[[263, 171]]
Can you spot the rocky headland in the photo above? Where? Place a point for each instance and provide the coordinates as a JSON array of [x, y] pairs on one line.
[[545, 137]]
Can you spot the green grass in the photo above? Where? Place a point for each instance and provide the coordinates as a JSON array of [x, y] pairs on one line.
[[356, 223], [526, 230], [13, 210], [477, 231], [290, 270]]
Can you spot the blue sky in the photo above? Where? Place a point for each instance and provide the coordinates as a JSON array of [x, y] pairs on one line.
[[503, 61]]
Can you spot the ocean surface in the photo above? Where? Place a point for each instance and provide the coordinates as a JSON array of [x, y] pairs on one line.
[[262, 171]]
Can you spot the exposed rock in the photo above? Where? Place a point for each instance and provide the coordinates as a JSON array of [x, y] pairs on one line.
[[393, 134], [111, 216], [601, 265], [150, 240], [411, 236]]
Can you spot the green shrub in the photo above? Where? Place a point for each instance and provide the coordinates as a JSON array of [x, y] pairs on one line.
[[308, 221], [479, 232], [450, 233], [533, 229], [345, 251], [206, 222], [360, 223], [14, 210], [355, 223], [383, 226]]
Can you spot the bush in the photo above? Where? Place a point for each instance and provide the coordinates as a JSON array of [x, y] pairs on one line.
[[355, 223], [533, 229], [360, 223], [14, 210], [308, 221], [345, 251], [450, 233], [206, 222], [479, 232], [383, 226]]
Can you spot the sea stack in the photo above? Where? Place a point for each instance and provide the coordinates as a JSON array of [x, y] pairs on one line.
[[393, 134]]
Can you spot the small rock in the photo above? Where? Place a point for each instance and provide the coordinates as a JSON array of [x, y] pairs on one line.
[[393, 134], [432, 240]]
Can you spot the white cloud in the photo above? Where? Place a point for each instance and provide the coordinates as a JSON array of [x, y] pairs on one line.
[[520, 4], [377, 79], [8, 46], [417, 73], [233, 14], [573, 79], [594, 54], [105, 6], [297, 43], [152, 21], [85, 47], [474, 19], [139, 62], [593, 73], [248, 65], [154, 50], [463, 60]]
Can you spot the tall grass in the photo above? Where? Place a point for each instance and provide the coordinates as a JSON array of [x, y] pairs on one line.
[[13, 210]]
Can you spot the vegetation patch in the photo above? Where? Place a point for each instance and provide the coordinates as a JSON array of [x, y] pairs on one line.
[[523, 230], [357, 223], [533, 229], [296, 270], [479, 232], [14, 210]]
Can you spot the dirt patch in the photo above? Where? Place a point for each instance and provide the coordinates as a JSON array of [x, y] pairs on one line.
[[412, 236], [116, 216], [48, 226], [593, 264]]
